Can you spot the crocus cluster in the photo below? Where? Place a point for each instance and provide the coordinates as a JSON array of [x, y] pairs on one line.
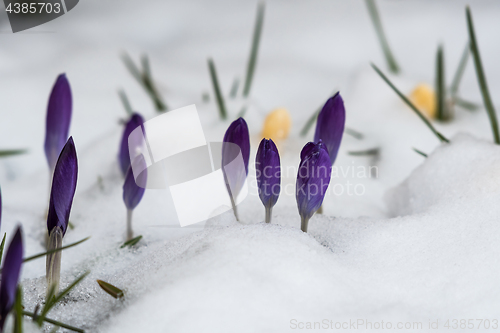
[[61, 199], [58, 120], [268, 172], [317, 157], [133, 189], [10, 275], [234, 176]]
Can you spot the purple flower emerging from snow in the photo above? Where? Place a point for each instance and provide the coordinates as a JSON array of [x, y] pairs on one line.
[[63, 188], [267, 166], [10, 275], [330, 125], [58, 119], [132, 192], [234, 175], [135, 121], [313, 177]]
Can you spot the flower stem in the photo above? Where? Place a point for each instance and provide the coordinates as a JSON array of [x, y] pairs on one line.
[[269, 210], [303, 224], [234, 207], [53, 262], [130, 233]]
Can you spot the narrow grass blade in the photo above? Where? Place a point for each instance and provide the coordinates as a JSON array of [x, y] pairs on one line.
[[110, 289], [353, 133], [440, 86], [18, 311], [460, 71], [132, 68], [252, 61], [410, 104], [145, 79], [375, 17], [12, 152], [481, 78], [2, 246], [146, 68], [217, 90], [52, 300], [470, 106], [234, 88], [420, 152], [50, 297], [131, 242], [36, 256], [125, 102], [54, 322], [310, 122], [368, 152], [312, 119]]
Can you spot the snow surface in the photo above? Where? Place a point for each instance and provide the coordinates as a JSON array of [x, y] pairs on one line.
[[419, 244]]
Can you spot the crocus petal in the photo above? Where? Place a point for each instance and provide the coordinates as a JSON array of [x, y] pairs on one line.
[[313, 178], [58, 119], [330, 125], [63, 187], [132, 193], [10, 275], [268, 170], [236, 134], [135, 121]]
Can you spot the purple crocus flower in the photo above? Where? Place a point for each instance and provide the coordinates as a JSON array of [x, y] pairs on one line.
[[132, 192], [235, 176], [135, 121], [10, 275], [330, 125], [313, 177], [58, 119], [268, 171], [61, 199], [63, 188]]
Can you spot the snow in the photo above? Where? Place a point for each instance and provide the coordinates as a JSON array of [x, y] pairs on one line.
[[418, 245]]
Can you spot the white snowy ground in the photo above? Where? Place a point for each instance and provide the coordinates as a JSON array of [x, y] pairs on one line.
[[419, 244]]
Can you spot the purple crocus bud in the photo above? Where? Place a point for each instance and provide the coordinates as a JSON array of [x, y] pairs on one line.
[[235, 176], [268, 172], [132, 192], [63, 188], [135, 121], [61, 199], [313, 177], [330, 125], [10, 275], [58, 119]]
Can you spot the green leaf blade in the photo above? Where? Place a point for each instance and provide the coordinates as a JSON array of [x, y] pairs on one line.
[[441, 137], [481, 78], [217, 91], [12, 152], [377, 22], [252, 60], [110, 289], [36, 256], [131, 242]]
